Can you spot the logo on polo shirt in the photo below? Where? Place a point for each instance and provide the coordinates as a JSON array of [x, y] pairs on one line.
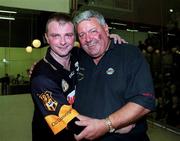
[[110, 71]]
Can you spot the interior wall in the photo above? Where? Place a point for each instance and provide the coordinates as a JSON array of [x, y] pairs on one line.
[[18, 60], [131, 37]]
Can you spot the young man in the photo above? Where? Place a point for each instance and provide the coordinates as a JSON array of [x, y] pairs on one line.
[[115, 86], [53, 83]]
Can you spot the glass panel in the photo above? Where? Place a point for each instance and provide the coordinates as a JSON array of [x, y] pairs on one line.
[[16, 34]]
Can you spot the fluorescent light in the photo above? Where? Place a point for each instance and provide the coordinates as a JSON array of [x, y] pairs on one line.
[[10, 12], [6, 18], [118, 23], [171, 34], [132, 30], [151, 32]]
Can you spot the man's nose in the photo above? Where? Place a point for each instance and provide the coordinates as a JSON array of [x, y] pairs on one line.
[[88, 37], [62, 41]]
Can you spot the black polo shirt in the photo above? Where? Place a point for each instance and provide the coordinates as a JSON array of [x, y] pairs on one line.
[[121, 76]]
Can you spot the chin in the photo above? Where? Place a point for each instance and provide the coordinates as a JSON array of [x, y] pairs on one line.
[[63, 54], [93, 55]]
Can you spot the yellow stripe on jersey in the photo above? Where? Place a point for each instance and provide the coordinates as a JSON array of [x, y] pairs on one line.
[[58, 123]]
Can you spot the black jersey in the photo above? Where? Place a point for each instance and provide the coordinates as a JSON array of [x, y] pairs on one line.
[[53, 93], [121, 76]]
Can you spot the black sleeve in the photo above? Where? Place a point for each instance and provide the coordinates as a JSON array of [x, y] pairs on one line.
[[140, 84], [53, 105]]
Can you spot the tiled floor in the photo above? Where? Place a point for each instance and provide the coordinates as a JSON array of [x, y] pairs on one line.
[[160, 133], [16, 115]]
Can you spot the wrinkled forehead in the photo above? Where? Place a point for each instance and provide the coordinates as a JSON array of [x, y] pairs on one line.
[[89, 21]]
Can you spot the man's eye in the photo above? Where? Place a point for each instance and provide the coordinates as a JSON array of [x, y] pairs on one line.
[[81, 35], [93, 31], [69, 35], [55, 35]]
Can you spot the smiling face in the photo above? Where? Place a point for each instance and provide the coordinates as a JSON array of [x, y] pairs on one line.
[[93, 37], [60, 36]]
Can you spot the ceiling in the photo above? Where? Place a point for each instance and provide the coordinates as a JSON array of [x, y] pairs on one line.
[[30, 24], [153, 12]]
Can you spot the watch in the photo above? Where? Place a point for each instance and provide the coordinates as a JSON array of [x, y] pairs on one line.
[[109, 125]]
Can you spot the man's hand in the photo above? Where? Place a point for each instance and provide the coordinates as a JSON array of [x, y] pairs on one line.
[[117, 39], [126, 129], [31, 69], [94, 128]]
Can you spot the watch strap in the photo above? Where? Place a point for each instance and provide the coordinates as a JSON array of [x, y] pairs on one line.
[[109, 125]]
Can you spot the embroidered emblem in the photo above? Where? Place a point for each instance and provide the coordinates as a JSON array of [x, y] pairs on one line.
[[65, 85], [49, 103], [110, 71]]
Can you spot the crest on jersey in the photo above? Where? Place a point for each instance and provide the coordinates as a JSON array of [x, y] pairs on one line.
[[65, 85], [49, 103], [110, 71]]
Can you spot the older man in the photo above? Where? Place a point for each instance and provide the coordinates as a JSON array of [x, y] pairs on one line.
[[115, 86]]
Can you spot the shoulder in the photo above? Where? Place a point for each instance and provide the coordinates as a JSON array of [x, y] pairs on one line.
[[127, 50], [42, 82], [128, 47], [40, 69], [78, 53]]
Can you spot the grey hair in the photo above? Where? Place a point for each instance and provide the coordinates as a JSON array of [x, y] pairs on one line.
[[85, 15]]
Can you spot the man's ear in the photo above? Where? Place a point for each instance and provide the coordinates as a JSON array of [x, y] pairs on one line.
[[46, 38], [106, 28]]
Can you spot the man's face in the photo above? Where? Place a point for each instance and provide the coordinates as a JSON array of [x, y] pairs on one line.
[[93, 37], [60, 36]]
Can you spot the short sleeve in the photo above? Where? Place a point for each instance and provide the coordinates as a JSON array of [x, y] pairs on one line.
[[140, 85]]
